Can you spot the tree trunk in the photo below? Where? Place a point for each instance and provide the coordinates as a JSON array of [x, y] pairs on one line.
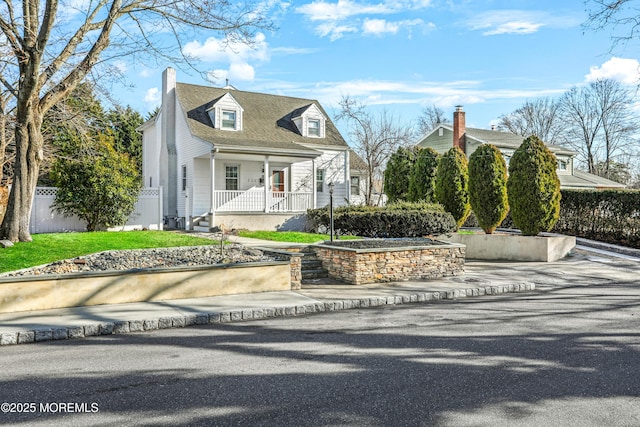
[[29, 153]]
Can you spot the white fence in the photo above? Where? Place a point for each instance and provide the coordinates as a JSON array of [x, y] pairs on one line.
[[146, 214]]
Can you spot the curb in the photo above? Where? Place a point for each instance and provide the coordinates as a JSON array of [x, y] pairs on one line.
[[238, 315]]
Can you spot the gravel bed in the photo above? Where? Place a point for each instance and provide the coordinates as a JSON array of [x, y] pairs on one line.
[[148, 258]]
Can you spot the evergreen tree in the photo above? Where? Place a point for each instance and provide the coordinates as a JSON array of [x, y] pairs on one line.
[[533, 187], [422, 181], [452, 180], [396, 175], [488, 187]]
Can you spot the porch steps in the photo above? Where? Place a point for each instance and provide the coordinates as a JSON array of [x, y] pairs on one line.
[[312, 267]]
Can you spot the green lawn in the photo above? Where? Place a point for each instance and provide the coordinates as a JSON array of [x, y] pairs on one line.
[[47, 248], [290, 236]]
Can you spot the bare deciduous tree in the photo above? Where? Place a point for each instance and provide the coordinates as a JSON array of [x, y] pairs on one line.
[[373, 137], [53, 46], [537, 117], [431, 117], [599, 122], [621, 16]]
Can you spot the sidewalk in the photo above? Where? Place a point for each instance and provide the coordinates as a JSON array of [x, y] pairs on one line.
[[321, 296]]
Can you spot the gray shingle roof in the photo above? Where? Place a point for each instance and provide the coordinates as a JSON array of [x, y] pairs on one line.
[[507, 140], [356, 163], [266, 124]]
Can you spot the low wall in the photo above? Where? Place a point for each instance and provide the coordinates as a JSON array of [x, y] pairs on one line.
[[514, 247], [82, 289], [362, 266]]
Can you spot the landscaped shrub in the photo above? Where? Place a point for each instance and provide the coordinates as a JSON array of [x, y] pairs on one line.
[[101, 187], [422, 181], [488, 186], [608, 215], [396, 220], [533, 187], [396, 175], [452, 180]]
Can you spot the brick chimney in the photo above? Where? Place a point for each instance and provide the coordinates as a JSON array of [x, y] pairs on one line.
[[459, 128]]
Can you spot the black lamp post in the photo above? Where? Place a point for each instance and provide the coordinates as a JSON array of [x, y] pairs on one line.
[[331, 187]]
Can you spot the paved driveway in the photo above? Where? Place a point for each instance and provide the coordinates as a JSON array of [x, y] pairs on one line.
[[566, 354]]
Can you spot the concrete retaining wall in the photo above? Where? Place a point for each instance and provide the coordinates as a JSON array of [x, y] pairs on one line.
[[514, 247], [83, 289]]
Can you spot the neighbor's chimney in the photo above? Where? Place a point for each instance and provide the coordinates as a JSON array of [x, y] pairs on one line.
[[459, 128]]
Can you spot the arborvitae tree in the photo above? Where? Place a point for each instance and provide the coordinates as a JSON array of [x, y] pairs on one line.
[[452, 180], [488, 186], [396, 175], [533, 187], [422, 181]]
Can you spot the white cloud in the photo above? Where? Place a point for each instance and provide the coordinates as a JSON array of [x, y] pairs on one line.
[[237, 55], [382, 26], [224, 50], [335, 19], [495, 22], [515, 27], [152, 98], [334, 30], [624, 70]]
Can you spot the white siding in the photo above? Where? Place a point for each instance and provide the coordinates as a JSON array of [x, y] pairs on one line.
[[188, 149], [302, 176], [333, 162]]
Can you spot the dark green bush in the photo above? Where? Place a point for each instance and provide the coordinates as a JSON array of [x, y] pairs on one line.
[[533, 187], [396, 220], [452, 181], [396, 175], [422, 181], [608, 215], [488, 186]]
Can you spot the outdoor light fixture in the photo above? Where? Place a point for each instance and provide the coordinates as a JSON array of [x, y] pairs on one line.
[[331, 187]]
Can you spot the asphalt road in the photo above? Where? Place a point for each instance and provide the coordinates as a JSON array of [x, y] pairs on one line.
[[567, 354]]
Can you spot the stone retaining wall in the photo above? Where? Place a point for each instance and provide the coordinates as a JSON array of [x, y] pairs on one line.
[[362, 266]]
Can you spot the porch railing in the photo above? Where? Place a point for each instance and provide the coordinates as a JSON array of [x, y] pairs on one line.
[[254, 201]]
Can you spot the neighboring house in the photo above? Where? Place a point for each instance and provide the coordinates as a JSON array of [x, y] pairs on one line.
[[242, 159], [358, 179], [443, 137]]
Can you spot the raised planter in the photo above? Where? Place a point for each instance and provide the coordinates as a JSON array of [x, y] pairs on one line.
[[360, 262], [28, 293], [514, 247]]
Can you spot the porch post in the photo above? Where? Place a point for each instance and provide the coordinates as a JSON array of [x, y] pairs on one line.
[[267, 183], [212, 181], [314, 193]]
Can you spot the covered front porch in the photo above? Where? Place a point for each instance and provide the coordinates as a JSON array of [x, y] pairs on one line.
[[240, 183]]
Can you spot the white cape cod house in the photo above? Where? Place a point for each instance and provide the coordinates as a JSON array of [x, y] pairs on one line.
[[241, 159]]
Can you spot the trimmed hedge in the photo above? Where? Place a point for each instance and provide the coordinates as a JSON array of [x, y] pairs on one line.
[[399, 220], [611, 216]]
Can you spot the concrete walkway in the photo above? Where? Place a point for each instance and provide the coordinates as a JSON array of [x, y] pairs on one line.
[[480, 279]]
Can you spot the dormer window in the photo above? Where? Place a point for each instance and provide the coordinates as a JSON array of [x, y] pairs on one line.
[[313, 127], [226, 113], [310, 121], [228, 119]]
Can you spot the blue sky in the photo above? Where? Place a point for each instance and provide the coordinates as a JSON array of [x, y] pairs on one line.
[[489, 56]]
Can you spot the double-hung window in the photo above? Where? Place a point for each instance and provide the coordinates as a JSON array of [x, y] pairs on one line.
[[313, 127], [355, 185], [228, 119], [319, 180], [231, 178]]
